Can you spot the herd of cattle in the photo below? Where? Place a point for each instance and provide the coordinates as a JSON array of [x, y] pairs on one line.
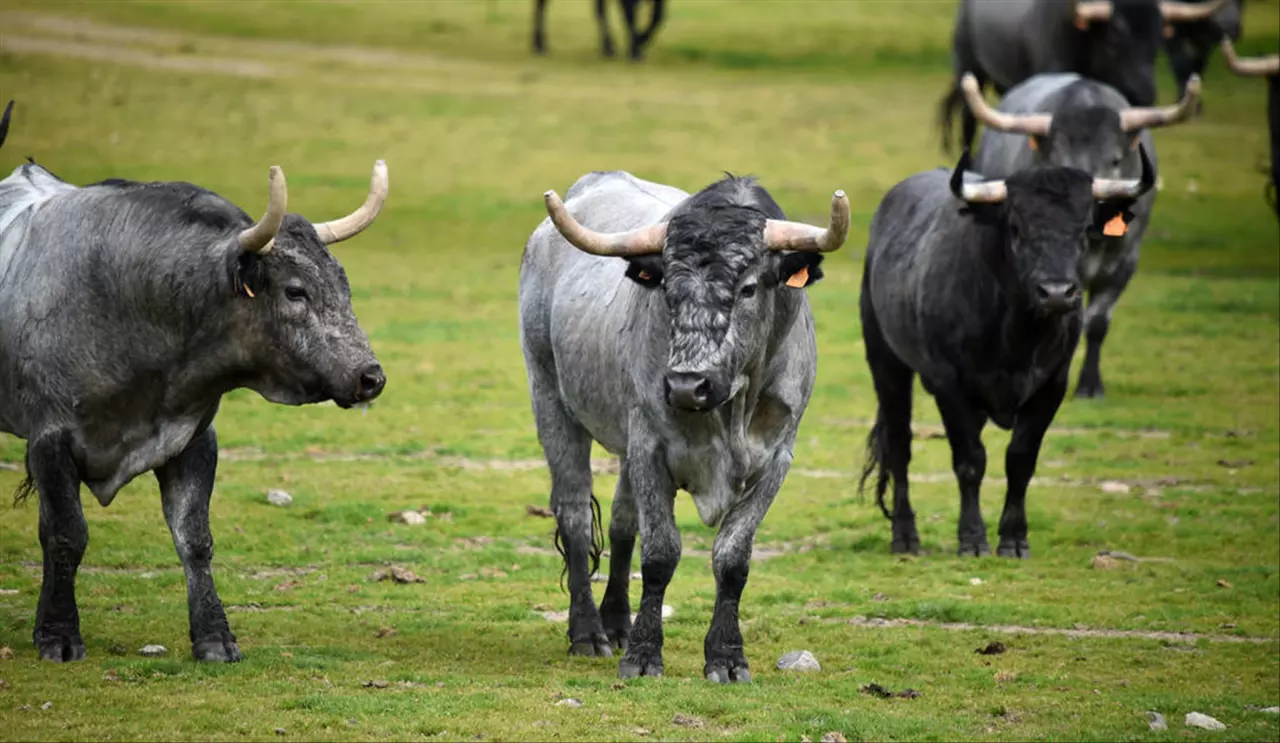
[[671, 328]]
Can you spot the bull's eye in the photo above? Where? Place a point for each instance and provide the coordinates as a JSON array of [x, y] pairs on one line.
[[295, 294], [748, 291]]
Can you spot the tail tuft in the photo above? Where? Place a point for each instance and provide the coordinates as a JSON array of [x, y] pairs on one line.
[[874, 464]]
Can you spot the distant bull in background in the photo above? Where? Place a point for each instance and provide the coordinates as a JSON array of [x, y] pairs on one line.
[[1004, 42], [127, 310], [1191, 44], [637, 39], [674, 330], [1268, 67], [973, 285], [1064, 120]]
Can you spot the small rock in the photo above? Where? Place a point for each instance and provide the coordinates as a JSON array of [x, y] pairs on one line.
[[1270, 710], [118, 649], [1155, 721], [1114, 487], [376, 684], [153, 651], [833, 737], [1105, 562], [992, 648], [667, 612], [975, 581], [1197, 720], [539, 511], [25, 708], [49, 705], [570, 702], [599, 578], [642, 731], [6, 653], [280, 731], [279, 498], [637, 575], [412, 518], [397, 574], [384, 632], [688, 721], [799, 660], [8, 592], [1223, 583]]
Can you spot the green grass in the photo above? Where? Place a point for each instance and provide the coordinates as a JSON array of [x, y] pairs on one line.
[[810, 96]]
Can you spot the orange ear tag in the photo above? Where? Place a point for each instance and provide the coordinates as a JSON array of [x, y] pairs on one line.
[[1033, 143], [1168, 31], [1116, 227], [1082, 24], [799, 278]]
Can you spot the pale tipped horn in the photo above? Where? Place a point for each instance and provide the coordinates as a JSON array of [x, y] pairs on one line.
[[1033, 124], [1090, 11], [1133, 119], [1128, 188], [1178, 12], [355, 222], [1250, 66], [782, 234], [640, 241], [261, 237], [985, 192]]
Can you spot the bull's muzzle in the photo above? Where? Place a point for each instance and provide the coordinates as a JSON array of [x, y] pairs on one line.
[[370, 383], [1056, 297], [689, 391]]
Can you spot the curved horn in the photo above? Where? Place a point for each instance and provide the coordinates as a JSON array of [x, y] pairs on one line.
[[261, 237], [1128, 188], [1249, 66], [1089, 11], [986, 192], [1034, 124], [1133, 119], [640, 241], [355, 222], [1179, 12], [782, 234]]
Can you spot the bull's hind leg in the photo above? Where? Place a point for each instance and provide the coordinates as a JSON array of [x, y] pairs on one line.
[[615, 608], [64, 536], [1020, 462], [1103, 296], [186, 485], [969, 461], [889, 448], [567, 446]]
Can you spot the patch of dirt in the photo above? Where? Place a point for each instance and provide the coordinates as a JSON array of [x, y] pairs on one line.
[[1015, 629]]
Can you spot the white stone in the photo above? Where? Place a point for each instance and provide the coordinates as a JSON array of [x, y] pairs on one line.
[[153, 651], [1197, 720], [1113, 487], [570, 702], [1155, 721], [279, 498], [799, 660], [1270, 710]]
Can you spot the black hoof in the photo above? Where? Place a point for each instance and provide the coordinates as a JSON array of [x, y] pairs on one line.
[[595, 646], [1086, 391], [219, 647], [617, 624], [619, 637], [974, 549], [635, 664], [60, 647], [1014, 548], [724, 672]]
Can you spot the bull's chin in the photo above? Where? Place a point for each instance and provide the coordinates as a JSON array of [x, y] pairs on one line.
[[296, 396]]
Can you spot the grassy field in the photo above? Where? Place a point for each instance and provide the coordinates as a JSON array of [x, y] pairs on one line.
[[1180, 463]]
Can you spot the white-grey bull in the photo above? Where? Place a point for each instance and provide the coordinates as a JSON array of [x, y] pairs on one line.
[[674, 330], [1064, 120], [127, 310]]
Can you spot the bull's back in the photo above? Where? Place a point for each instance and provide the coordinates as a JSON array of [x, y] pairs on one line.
[[1003, 38]]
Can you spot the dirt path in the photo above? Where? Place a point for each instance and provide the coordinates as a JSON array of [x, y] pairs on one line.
[[1016, 629]]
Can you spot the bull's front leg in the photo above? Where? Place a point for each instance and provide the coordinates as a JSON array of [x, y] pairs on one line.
[[186, 485], [1020, 462], [655, 494], [615, 607], [64, 536], [731, 562]]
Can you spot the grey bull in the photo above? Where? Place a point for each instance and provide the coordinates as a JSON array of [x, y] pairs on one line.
[[1004, 42], [674, 330], [1064, 120], [127, 310]]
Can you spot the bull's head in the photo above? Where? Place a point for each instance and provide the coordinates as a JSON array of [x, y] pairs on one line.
[[301, 332], [724, 268], [1190, 44], [1044, 216], [1123, 38], [1097, 140]]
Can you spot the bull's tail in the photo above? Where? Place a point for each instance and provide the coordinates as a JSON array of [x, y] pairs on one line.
[[24, 491], [952, 103], [874, 464], [597, 542]]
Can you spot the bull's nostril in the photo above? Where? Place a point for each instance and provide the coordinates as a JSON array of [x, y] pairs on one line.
[[702, 391], [371, 382]]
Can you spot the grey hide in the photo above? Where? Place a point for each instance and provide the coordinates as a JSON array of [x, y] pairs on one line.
[[598, 346], [128, 310], [1085, 136]]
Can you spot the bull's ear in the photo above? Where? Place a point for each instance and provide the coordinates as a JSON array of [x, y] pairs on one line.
[[798, 270], [645, 270], [250, 275]]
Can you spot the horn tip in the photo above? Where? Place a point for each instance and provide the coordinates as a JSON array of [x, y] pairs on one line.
[[839, 194]]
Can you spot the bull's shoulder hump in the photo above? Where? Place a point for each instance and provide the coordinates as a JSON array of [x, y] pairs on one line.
[[622, 181], [1032, 94]]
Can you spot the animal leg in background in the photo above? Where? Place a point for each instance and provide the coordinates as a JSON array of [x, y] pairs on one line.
[[186, 485], [64, 536], [969, 462], [659, 555], [731, 562], [602, 19], [615, 607], [889, 447], [641, 39], [1020, 458], [1103, 295], [539, 26]]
